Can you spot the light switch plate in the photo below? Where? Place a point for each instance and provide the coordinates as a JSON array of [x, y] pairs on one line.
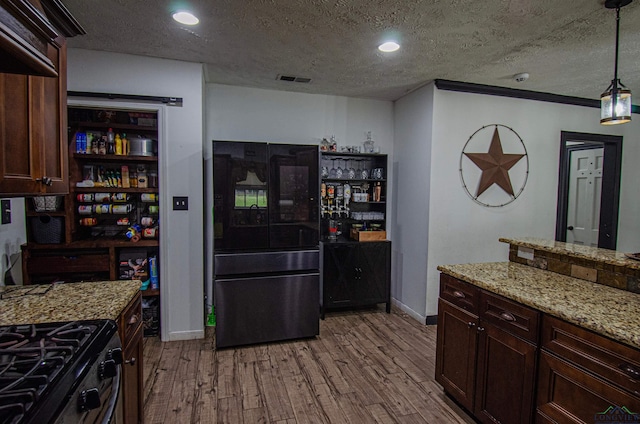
[[180, 203], [5, 208]]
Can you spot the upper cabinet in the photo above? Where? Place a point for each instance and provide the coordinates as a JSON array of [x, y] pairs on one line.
[[33, 124], [28, 30]]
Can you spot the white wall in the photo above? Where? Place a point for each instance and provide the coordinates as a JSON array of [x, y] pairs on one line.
[[182, 269], [250, 114], [411, 182], [12, 235], [462, 231]]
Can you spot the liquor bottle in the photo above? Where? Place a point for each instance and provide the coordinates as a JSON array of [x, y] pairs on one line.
[[111, 148]]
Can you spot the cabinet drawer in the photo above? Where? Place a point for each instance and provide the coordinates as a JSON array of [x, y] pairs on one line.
[[608, 359], [130, 321], [461, 294], [512, 317], [68, 263], [567, 394]]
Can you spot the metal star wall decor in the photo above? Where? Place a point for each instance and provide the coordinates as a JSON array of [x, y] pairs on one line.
[[495, 165]]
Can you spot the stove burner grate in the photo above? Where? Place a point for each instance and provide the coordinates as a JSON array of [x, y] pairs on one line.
[[33, 358]]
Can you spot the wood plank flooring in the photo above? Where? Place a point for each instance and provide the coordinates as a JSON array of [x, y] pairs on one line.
[[365, 367]]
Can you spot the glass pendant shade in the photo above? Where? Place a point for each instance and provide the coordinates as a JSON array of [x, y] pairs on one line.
[[622, 112]]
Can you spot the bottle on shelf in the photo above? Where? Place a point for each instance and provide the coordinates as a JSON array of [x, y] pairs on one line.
[[111, 148], [125, 145], [118, 142]]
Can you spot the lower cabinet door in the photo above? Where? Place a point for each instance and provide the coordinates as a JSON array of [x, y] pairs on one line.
[[132, 380], [339, 275], [456, 352], [505, 377], [567, 394], [373, 267]]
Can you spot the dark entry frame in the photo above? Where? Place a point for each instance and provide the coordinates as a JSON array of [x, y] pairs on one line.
[[610, 196]]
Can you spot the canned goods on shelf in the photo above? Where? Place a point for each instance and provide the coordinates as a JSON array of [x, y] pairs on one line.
[[85, 210], [149, 197], [100, 209], [88, 222], [123, 221], [85, 197], [120, 209], [102, 197], [119, 197]]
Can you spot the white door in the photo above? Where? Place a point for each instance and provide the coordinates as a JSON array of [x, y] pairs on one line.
[[585, 183]]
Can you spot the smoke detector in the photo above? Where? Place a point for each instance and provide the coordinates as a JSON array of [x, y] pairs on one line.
[[521, 77]]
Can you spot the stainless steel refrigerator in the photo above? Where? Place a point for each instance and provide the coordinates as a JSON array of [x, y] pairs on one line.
[[266, 231]]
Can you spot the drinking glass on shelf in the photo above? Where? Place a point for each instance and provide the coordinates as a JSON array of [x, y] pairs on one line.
[[325, 171], [333, 171], [359, 168], [339, 171], [351, 172]]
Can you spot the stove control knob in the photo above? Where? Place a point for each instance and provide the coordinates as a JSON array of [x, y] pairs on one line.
[[107, 369], [115, 354], [88, 399]]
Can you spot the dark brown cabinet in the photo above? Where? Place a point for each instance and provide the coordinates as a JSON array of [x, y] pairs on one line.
[[33, 131], [355, 274], [130, 330], [33, 139], [585, 377], [486, 352]]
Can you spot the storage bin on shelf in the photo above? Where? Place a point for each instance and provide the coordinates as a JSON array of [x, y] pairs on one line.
[[47, 229]]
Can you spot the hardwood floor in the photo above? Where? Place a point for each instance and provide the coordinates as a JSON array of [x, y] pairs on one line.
[[365, 367]]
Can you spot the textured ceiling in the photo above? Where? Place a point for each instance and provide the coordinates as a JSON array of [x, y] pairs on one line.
[[566, 46]]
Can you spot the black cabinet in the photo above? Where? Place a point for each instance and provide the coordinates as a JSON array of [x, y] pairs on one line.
[[355, 274]]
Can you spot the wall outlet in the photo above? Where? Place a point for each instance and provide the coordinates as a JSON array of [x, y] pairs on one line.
[[5, 211], [180, 203]]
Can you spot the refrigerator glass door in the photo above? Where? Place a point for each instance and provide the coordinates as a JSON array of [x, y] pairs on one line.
[[241, 196], [293, 196]]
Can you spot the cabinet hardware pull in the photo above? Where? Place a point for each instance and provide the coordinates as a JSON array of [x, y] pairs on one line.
[[133, 319], [630, 370], [471, 324], [131, 361], [507, 317], [45, 181], [459, 294], [480, 328]]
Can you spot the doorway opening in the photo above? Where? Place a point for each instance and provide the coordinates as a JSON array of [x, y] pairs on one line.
[[589, 189]]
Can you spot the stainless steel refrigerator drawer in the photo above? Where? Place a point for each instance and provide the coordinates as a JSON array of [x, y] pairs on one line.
[[266, 309], [266, 262]]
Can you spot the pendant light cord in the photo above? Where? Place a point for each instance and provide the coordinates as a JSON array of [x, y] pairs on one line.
[[615, 72]]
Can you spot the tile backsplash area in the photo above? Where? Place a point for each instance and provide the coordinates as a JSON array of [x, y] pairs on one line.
[[620, 277]]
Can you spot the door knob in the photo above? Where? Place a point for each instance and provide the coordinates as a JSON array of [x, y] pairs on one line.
[[570, 228]]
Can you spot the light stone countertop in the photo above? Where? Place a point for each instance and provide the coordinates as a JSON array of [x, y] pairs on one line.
[[611, 257], [605, 310], [66, 302]]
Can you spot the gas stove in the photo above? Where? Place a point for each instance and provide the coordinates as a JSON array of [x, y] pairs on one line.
[[59, 372]]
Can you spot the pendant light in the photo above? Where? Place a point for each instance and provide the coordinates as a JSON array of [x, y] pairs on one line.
[[615, 102]]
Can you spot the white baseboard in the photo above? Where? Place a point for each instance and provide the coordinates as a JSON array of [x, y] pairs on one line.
[[184, 335], [407, 310]]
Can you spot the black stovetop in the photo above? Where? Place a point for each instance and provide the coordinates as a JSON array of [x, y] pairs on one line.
[[40, 365]]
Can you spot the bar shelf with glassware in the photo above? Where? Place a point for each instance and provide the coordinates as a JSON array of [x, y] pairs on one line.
[[353, 193]]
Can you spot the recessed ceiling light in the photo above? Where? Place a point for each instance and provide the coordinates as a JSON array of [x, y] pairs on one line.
[[389, 46], [186, 18]]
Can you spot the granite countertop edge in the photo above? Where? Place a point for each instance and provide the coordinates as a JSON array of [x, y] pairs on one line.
[[605, 310], [67, 302], [610, 257]]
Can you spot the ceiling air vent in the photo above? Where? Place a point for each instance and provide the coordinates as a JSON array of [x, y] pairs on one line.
[[293, 79]]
